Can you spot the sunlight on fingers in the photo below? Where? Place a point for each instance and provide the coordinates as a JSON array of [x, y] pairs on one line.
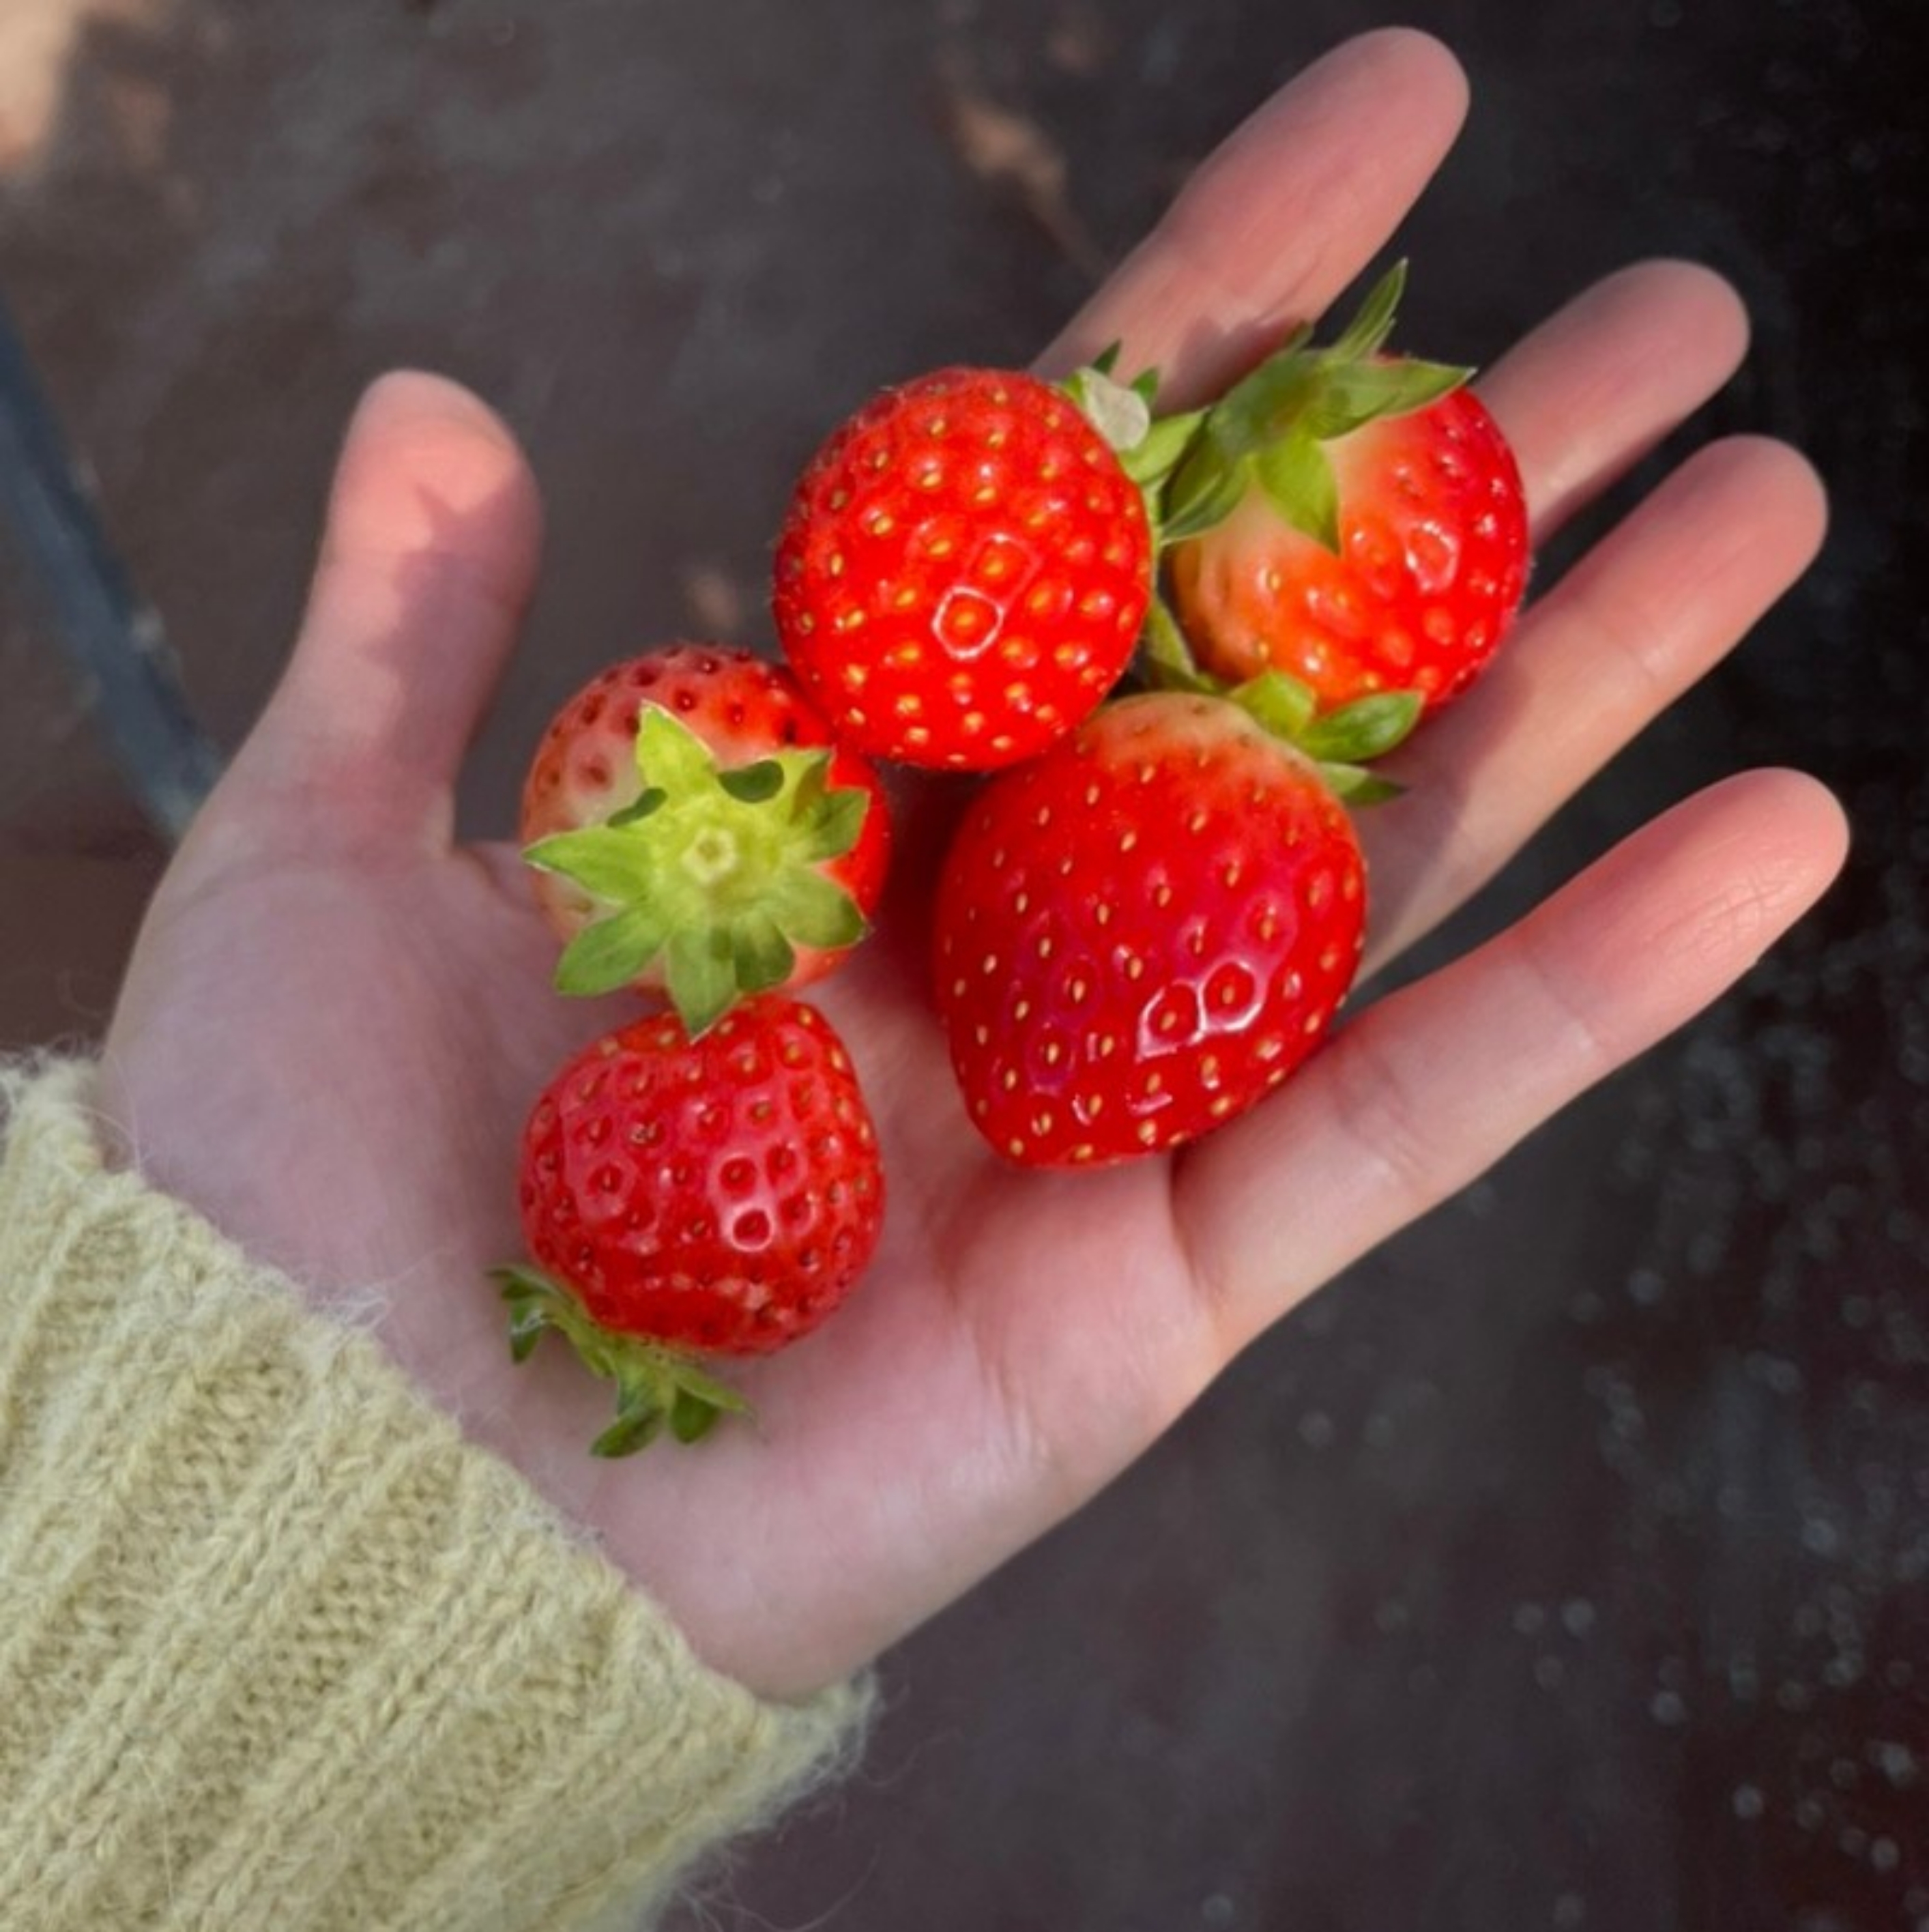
[[1281, 218], [1652, 608], [1430, 1087]]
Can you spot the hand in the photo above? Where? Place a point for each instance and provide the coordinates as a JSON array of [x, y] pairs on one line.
[[337, 1018]]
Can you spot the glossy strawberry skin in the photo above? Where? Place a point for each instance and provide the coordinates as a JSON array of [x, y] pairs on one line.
[[1141, 933], [744, 708], [1431, 568], [963, 572], [722, 1195]]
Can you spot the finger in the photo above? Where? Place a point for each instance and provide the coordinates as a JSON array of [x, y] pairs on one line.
[[1281, 218], [1651, 609], [428, 557], [1426, 1090], [1586, 395]]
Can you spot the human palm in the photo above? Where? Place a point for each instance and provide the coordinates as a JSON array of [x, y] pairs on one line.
[[337, 1017]]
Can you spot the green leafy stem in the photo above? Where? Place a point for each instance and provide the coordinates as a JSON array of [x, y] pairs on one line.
[[712, 876], [656, 1387]]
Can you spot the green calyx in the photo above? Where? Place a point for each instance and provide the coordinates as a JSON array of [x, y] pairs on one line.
[[1267, 431], [656, 1388], [1342, 741], [712, 874]]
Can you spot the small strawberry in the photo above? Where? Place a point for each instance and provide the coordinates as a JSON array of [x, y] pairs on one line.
[[1142, 932], [963, 571], [1355, 521], [697, 831], [680, 1197]]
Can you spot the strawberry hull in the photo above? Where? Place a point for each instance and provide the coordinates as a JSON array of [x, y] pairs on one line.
[[584, 770], [695, 832], [1141, 934]]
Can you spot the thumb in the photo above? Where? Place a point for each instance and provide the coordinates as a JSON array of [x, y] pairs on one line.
[[428, 558]]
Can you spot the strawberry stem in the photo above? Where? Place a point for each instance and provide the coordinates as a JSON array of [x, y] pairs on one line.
[[1168, 654], [656, 1387]]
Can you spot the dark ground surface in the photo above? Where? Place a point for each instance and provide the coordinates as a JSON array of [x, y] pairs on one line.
[[1567, 1564]]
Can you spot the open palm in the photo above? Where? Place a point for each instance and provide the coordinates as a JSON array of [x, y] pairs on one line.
[[337, 1018]]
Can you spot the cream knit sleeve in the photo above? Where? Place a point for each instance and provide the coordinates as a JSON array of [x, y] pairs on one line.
[[278, 1648]]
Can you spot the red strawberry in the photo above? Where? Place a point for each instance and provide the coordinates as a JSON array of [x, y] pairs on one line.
[[720, 1195], [1363, 531], [1142, 932], [1431, 566], [698, 831], [963, 571]]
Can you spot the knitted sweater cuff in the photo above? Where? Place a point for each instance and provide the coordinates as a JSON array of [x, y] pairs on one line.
[[277, 1645]]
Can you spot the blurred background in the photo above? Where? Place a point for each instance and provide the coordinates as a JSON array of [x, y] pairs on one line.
[[1567, 1565]]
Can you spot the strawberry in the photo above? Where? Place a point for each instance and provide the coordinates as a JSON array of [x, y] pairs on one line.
[[1141, 933], [1430, 566], [696, 832], [963, 572], [1351, 520], [715, 1196]]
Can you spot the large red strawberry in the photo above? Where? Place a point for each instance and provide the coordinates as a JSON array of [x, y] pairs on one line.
[[697, 831], [963, 571], [1141, 933], [681, 1198], [1364, 532]]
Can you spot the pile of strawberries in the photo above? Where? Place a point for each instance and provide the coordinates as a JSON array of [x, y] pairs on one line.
[[1147, 919]]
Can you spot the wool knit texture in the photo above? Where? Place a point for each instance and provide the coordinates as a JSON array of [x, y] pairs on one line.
[[278, 1646]]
